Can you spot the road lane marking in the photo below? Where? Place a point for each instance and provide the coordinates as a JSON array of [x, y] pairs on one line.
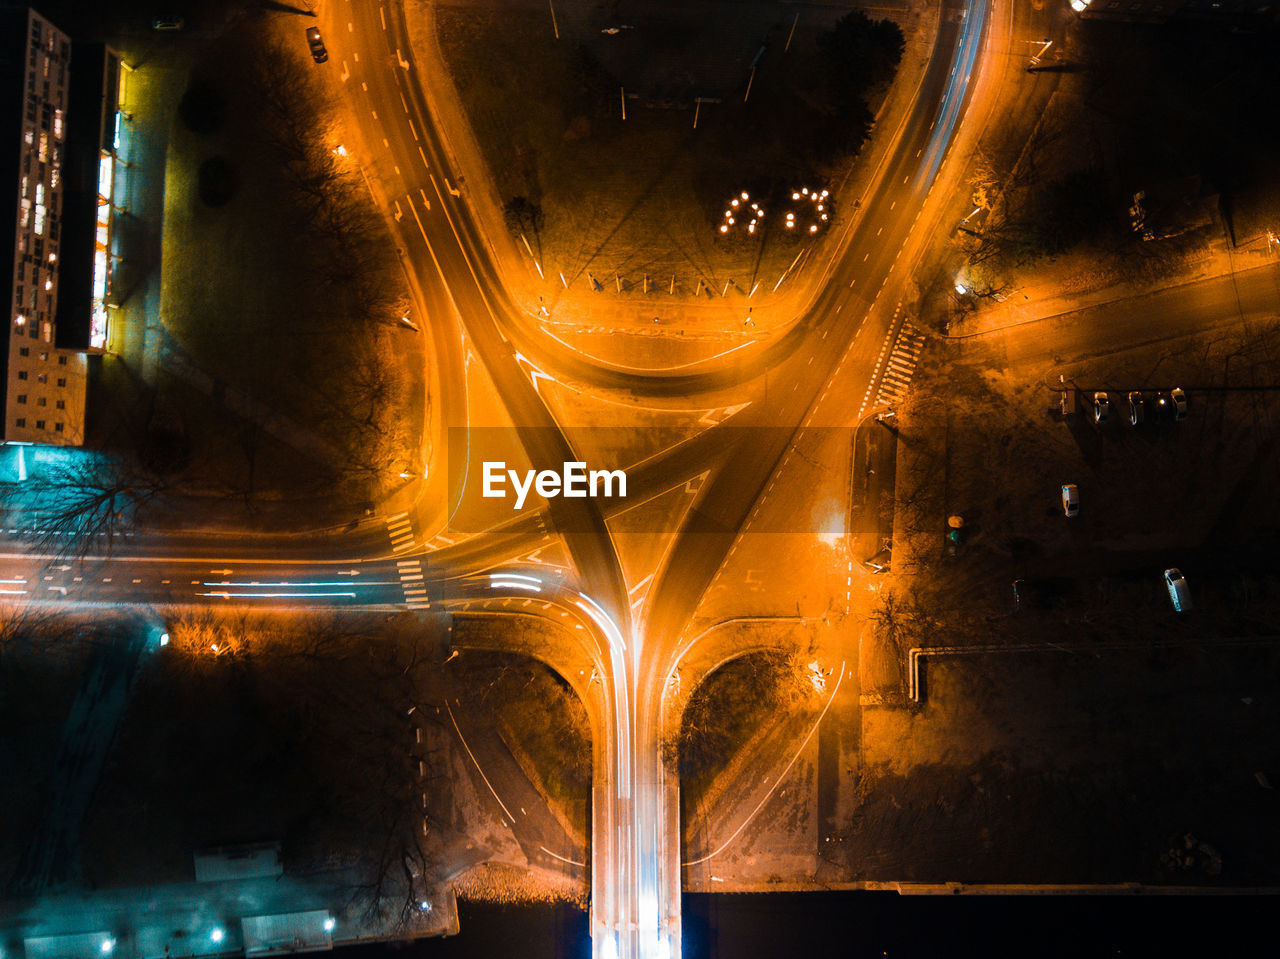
[[382, 15]]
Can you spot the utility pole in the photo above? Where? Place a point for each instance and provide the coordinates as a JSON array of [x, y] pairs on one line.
[[700, 101], [1039, 54], [751, 79]]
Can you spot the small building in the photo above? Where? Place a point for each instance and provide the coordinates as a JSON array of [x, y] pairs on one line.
[[80, 945], [310, 931], [248, 861]]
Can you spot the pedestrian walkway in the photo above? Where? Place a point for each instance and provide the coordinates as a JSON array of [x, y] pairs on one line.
[[411, 579], [895, 365], [178, 363], [400, 529], [901, 365]]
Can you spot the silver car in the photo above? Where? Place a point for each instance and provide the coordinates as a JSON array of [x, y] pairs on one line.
[[1070, 499]]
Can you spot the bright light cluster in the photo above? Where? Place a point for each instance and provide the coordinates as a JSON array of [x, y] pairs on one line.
[[740, 208], [807, 213], [813, 209]]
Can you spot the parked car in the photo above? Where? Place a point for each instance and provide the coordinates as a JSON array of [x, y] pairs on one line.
[[1101, 408], [1161, 407], [318, 53], [1179, 400], [1137, 409], [167, 23], [1179, 595], [1070, 499]]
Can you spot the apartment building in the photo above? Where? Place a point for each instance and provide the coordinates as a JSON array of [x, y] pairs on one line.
[[56, 169]]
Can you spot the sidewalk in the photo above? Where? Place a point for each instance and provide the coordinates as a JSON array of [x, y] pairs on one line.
[[150, 102], [1049, 300]]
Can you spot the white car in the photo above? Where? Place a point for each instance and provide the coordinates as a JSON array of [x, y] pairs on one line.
[[1101, 408], [1070, 499], [1179, 403]]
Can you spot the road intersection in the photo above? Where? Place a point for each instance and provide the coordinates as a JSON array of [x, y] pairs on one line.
[[635, 644]]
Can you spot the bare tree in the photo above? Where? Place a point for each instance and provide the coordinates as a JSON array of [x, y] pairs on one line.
[[83, 503]]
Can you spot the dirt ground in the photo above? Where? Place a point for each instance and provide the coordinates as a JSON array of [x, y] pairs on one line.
[[1136, 108], [1054, 768], [642, 196], [1189, 494], [246, 313], [39, 678]]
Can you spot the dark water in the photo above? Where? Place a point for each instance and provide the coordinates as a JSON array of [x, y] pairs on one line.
[[879, 925]]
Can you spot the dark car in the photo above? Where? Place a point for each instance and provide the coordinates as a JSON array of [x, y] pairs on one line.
[[1136, 409], [318, 53]]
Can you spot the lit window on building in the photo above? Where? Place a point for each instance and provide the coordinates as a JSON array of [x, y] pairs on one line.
[[43, 152], [57, 124], [29, 137], [39, 224]]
